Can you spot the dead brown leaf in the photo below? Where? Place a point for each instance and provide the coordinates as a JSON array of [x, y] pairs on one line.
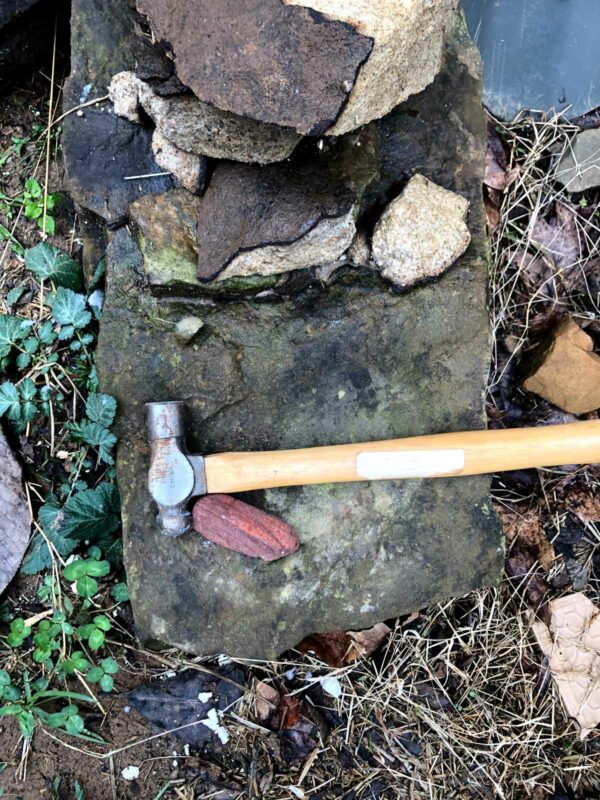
[[525, 536], [492, 211], [494, 174], [332, 648], [339, 648], [572, 646], [584, 505], [266, 700]]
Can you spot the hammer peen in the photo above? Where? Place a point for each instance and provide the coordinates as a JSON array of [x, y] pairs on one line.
[[176, 476]]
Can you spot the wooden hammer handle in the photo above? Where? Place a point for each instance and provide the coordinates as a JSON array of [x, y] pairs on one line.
[[437, 456]]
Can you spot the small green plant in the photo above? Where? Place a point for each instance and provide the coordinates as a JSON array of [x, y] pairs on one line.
[[50, 393], [33, 205], [103, 674], [8, 692], [84, 572]]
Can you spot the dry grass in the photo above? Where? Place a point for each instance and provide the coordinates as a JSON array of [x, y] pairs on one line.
[[459, 705], [534, 277]]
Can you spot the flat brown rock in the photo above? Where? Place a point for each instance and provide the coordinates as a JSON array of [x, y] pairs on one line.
[[565, 371], [287, 65], [293, 218]]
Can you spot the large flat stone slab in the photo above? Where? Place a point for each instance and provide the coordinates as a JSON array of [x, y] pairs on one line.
[[304, 364]]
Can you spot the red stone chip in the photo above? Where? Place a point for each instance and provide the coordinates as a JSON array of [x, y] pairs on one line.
[[238, 526]]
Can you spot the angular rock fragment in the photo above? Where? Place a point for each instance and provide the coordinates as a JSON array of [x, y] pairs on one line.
[[286, 65], [187, 328], [579, 168], [421, 233], [124, 93], [269, 220], [167, 229], [188, 168], [408, 41], [565, 371], [200, 128]]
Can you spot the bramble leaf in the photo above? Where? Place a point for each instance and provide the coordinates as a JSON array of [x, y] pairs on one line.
[[92, 513], [94, 435], [101, 408], [10, 403]]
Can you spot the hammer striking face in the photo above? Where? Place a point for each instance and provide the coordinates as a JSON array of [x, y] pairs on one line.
[[176, 476]]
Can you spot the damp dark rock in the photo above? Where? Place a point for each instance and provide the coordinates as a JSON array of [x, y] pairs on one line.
[[269, 220]]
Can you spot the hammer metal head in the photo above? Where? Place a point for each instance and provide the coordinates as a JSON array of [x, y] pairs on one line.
[[175, 476]]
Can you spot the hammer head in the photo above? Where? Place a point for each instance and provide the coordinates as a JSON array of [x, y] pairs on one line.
[[175, 476]]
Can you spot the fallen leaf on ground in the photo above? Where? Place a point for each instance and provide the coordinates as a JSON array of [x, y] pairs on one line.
[[497, 174], [266, 700], [367, 641], [174, 703], [572, 645], [339, 648], [525, 535], [584, 505]]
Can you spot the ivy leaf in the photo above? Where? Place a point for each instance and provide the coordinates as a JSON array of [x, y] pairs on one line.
[[11, 332], [92, 513], [101, 408], [68, 308], [49, 263], [10, 403]]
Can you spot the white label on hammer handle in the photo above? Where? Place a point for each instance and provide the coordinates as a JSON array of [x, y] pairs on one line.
[[391, 464]]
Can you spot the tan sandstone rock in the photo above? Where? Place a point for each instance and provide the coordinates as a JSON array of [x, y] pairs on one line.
[[199, 128], [421, 233], [565, 371], [408, 38], [188, 168]]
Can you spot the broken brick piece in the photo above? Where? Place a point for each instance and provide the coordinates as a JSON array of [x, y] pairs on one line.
[[238, 526]]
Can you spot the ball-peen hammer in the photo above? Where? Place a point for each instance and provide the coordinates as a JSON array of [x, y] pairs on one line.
[[176, 476]]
